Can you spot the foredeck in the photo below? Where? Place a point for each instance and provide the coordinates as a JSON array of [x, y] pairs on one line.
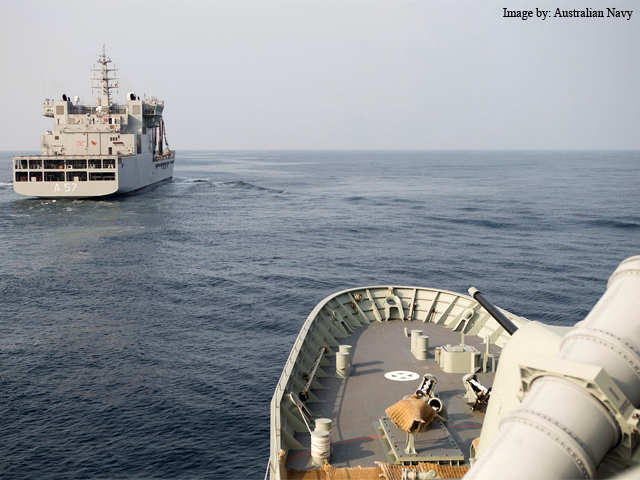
[[357, 403], [373, 320]]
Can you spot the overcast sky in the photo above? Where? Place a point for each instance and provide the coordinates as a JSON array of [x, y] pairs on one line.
[[346, 74]]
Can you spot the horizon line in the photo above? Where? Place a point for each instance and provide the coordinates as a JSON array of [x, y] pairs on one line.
[[635, 149]]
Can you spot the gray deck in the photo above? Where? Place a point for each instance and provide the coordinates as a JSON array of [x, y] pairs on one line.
[[357, 404]]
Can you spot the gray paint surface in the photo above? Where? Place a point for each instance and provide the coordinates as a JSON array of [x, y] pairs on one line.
[[73, 163]]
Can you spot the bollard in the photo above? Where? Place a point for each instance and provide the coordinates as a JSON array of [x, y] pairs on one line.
[[323, 424], [343, 364], [320, 446], [414, 337], [422, 347], [345, 349]]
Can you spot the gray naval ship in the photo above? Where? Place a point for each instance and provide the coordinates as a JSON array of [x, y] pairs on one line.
[[398, 383], [98, 150]]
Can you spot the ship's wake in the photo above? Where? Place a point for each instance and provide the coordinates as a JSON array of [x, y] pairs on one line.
[[189, 181], [250, 186]]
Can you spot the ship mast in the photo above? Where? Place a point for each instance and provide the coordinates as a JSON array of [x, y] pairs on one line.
[[102, 81]]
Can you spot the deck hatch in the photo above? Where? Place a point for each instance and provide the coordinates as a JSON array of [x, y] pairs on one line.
[[435, 445]]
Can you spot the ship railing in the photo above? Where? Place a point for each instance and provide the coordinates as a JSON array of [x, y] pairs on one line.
[[486, 327], [62, 176], [64, 156], [86, 109], [276, 443], [48, 109], [60, 169]]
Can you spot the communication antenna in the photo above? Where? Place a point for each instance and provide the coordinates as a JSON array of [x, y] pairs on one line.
[[102, 80]]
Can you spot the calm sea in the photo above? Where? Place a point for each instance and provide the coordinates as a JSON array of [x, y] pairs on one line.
[[142, 336]]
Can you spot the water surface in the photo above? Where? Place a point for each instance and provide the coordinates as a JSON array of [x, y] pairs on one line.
[[142, 336]]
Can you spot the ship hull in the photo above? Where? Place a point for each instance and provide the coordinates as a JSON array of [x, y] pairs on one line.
[[144, 170], [89, 176]]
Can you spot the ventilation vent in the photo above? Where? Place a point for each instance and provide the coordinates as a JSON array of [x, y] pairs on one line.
[[59, 109]]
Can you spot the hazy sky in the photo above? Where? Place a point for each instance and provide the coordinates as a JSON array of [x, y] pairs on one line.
[[323, 74]]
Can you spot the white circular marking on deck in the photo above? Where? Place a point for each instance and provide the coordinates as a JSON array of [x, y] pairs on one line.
[[401, 376]]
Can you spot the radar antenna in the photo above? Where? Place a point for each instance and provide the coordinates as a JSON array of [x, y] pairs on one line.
[[102, 79]]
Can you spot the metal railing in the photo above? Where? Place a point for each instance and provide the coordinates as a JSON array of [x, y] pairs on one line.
[[490, 327], [86, 109]]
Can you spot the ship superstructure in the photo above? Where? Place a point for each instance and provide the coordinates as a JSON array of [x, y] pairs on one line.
[[97, 150]]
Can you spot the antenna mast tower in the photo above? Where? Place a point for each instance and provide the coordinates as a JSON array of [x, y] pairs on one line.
[[102, 81]]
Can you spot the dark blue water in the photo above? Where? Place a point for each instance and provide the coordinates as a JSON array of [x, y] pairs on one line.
[[142, 336]]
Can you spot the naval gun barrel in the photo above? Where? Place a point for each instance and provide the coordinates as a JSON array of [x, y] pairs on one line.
[[562, 429], [507, 324]]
